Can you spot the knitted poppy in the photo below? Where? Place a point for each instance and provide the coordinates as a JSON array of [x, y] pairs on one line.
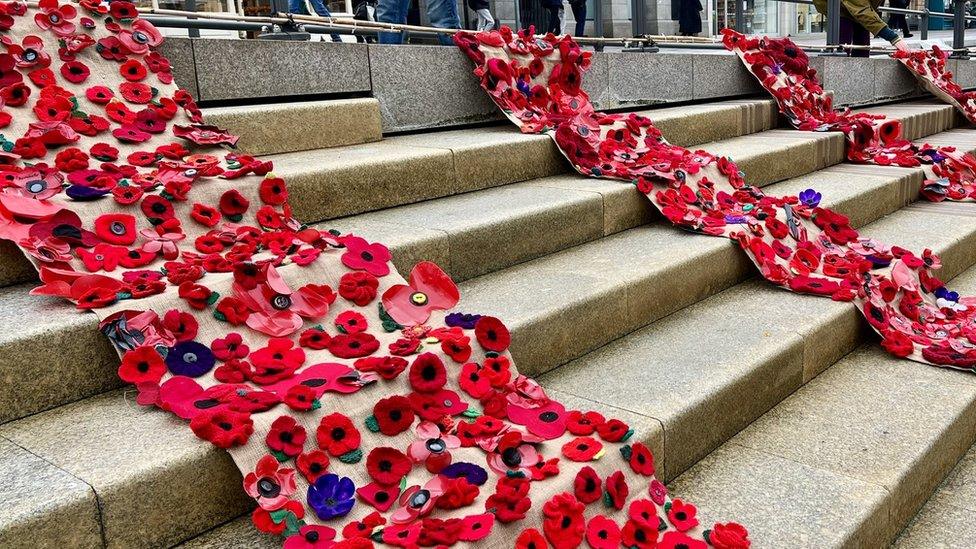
[[583, 423], [363, 528], [617, 489], [234, 371], [273, 191], [278, 360], [613, 430], [358, 287], [232, 310], [582, 449], [564, 525], [387, 466], [531, 538], [602, 533], [157, 208], [337, 435], [224, 428], [286, 436], [142, 364], [361, 255], [644, 512], [458, 492], [197, 296], [312, 464], [189, 358], [387, 367], [100, 95], [492, 334], [639, 536], [459, 349], [427, 373], [476, 527], [314, 338], [181, 325], [233, 203], [75, 72], [681, 515], [587, 486], [405, 346], [641, 460], [379, 496], [437, 532], [207, 216], [265, 523], [658, 491], [473, 381], [309, 536], [679, 540], [353, 345], [729, 536], [506, 510], [300, 398], [393, 415], [133, 70], [351, 322], [136, 92]]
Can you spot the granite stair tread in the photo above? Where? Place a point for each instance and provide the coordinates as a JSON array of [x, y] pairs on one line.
[[948, 518]]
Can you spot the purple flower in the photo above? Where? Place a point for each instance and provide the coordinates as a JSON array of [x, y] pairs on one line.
[[469, 471], [189, 358], [331, 496], [463, 320], [810, 197]]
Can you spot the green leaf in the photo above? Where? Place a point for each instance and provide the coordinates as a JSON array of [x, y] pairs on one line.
[[123, 295], [630, 433], [403, 483], [214, 296], [514, 474], [389, 325], [372, 424], [292, 525], [471, 412], [341, 329], [707, 534], [236, 218], [280, 456], [626, 452], [607, 500], [352, 456], [219, 316], [316, 404], [280, 515]]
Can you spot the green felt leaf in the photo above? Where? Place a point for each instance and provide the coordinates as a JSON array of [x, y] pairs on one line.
[[372, 424], [626, 452], [352, 456], [219, 316], [630, 433]]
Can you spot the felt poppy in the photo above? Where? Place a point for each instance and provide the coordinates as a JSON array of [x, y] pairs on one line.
[[393, 415], [547, 421], [232, 203], [309, 536], [189, 358], [75, 72], [270, 484], [583, 423], [337, 435], [387, 466], [387, 367], [641, 459], [363, 528], [644, 512], [429, 289], [276, 310], [476, 527], [402, 535], [286, 436], [312, 464], [180, 325], [301, 398], [100, 95], [331, 496], [379, 496], [492, 334], [360, 255], [314, 338], [264, 522], [142, 364], [276, 361], [207, 216]]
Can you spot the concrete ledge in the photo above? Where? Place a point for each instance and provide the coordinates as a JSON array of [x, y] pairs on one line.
[[179, 51]]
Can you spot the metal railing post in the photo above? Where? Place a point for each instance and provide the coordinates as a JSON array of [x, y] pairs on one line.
[[740, 18], [959, 29], [923, 24], [598, 22], [637, 17], [191, 5], [833, 22]]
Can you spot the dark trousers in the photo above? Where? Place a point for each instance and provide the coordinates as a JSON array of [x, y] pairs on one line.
[[898, 21], [853, 33], [553, 19], [579, 14]]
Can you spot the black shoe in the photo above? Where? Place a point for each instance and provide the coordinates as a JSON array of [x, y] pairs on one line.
[[909, 35]]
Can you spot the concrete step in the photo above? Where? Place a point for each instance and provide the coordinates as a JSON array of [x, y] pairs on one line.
[[948, 519], [848, 459], [300, 126], [327, 183]]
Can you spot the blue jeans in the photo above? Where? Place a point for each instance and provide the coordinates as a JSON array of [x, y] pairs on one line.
[[298, 6], [442, 13]]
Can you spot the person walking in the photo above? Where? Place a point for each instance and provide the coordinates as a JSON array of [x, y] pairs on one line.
[[579, 14], [485, 21], [298, 8], [859, 19], [443, 14], [898, 20], [555, 9], [689, 20]]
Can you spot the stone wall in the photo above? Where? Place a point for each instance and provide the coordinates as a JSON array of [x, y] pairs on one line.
[[421, 87]]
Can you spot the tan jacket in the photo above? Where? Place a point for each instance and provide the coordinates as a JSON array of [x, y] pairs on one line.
[[865, 12]]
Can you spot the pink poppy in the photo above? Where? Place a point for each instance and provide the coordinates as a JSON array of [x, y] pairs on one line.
[[65, 225], [48, 250], [270, 484], [56, 18], [432, 447], [140, 37], [416, 502], [363, 256], [205, 135], [29, 55], [164, 244], [429, 289], [33, 182], [547, 421], [278, 311], [513, 454]]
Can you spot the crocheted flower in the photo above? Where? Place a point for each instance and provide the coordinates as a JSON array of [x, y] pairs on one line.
[[331, 496], [337, 435], [270, 484], [429, 289]]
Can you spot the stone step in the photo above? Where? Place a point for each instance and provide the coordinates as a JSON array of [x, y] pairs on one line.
[[848, 459], [300, 126], [327, 183], [123, 451], [948, 519]]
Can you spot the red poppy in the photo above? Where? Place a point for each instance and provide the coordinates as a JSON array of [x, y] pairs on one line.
[[729, 536], [273, 191], [583, 423], [234, 371], [136, 92], [363, 528], [508, 510], [351, 322], [264, 523], [547, 421], [116, 228], [388, 367], [563, 525], [641, 460], [582, 449], [613, 430], [402, 535], [277, 361], [473, 381], [492, 334], [437, 532], [133, 70], [309, 536], [587, 486], [197, 296], [337, 435], [100, 95], [358, 287], [430, 289], [404, 346], [476, 527], [353, 345], [207, 216], [393, 415], [602, 533], [458, 492], [232, 203], [181, 325], [223, 427], [157, 208], [639, 536], [678, 540], [379, 496], [644, 512], [312, 464], [233, 311], [314, 338], [531, 538], [617, 489], [427, 373], [361, 255], [300, 397], [286, 436], [387, 466], [897, 343], [682, 515], [142, 364], [459, 349], [42, 78]]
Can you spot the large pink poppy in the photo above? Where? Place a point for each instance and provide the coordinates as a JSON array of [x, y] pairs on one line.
[[278, 311], [429, 289]]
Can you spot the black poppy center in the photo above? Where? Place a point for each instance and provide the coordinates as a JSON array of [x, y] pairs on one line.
[[548, 417], [511, 457], [268, 488]]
